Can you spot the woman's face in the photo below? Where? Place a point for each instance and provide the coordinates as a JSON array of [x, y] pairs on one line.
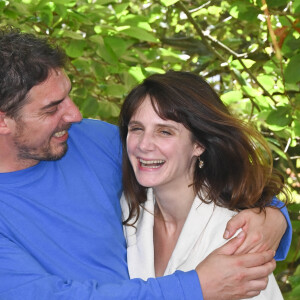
[[161, 151]]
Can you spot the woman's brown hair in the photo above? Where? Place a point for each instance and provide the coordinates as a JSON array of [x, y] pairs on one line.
[[238, 171]]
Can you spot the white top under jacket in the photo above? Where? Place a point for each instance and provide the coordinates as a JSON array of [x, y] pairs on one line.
[[201, 234]]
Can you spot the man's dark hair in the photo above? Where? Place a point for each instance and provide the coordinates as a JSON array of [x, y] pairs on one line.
[[25, 61]]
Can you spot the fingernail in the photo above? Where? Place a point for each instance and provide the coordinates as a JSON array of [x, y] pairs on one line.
[[226, 234]]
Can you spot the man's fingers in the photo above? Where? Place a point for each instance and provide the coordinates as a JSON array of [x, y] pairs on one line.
[[256, 259], [245, 248], [230, 247], [261, 272], [255, 287], [236, 222]]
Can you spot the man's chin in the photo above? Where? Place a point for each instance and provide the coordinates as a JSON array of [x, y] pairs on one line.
[[58, 155]]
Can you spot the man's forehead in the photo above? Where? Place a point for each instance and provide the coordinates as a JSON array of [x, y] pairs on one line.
[[54, 88]]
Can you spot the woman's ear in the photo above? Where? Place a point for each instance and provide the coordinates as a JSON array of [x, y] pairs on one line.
[[198, 149]]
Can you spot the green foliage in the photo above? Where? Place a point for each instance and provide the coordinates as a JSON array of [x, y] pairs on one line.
[[114, 44]]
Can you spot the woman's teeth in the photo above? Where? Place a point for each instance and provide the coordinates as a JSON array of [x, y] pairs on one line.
[[151, 163]]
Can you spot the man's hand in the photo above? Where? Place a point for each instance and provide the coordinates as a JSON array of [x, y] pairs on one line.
[[226, 276], [263, 230]]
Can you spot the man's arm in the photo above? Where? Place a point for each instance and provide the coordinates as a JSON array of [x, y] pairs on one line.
[[22, 277], [272, 230]]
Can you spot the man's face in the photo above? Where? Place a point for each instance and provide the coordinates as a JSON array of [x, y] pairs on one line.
[[41, 130]]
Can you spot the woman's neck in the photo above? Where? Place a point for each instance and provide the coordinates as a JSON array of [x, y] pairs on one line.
[[171, 211], [174, 205]]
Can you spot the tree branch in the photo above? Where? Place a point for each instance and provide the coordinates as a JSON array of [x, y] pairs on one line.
[[206, 37]]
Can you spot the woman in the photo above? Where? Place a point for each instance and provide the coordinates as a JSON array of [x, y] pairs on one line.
[[188, 166]]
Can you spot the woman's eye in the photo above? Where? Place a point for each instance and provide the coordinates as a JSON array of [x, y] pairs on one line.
[[134, 129]]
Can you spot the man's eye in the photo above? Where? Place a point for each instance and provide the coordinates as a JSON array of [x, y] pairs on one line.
[[52, 111], [165, 132]]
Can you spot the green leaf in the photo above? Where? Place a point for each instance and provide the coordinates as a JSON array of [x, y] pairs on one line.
[[75, 48], [104, 50], [214, 10], [100, 70], [266, 81], [118, 45], [10, 14], [296, 126], [232, 96], [103, 2], [169, 55], [90, 107], [296, 6], [61, 10], [250, 91], [247, 62], [168, 2], [116, 90], [119, 8], [47, 16], [277, 3], [81, 64], [294, 280], [108, 109], [137, 73], [244, 11], [73, 35], [292, 71], [2, 4], [136, 21], [153, 70], [263, 102], [295, 293], [239, 77], [279, 118], [68, 3], [139, 34], [277, 150]]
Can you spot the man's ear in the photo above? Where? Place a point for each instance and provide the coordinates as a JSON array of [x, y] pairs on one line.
[[4, 128]]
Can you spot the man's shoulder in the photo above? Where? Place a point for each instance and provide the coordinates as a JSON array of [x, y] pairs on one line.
[[95, 130], [92, 135], [93, 125]]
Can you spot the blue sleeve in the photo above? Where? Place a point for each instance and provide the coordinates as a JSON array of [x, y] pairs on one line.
[[286, 240], [23, 278]]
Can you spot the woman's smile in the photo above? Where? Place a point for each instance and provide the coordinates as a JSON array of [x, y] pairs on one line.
[[161, 151]]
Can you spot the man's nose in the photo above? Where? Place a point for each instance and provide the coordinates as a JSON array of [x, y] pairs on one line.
[[72, 113]]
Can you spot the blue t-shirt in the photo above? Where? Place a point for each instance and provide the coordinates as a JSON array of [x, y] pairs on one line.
[[61, 234]]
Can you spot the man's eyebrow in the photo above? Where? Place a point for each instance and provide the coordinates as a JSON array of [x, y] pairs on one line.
[[54, 103]]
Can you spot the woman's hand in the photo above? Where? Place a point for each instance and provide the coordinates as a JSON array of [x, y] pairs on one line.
[[263, 230]]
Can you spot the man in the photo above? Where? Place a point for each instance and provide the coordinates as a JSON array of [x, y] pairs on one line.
[[60, 220]]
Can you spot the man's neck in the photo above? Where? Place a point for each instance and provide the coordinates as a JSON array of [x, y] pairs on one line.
[[9, 161]]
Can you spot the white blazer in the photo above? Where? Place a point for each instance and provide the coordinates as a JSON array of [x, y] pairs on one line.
[[201, 234]]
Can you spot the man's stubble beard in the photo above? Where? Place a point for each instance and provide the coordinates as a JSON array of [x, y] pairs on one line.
[[26, 152]]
